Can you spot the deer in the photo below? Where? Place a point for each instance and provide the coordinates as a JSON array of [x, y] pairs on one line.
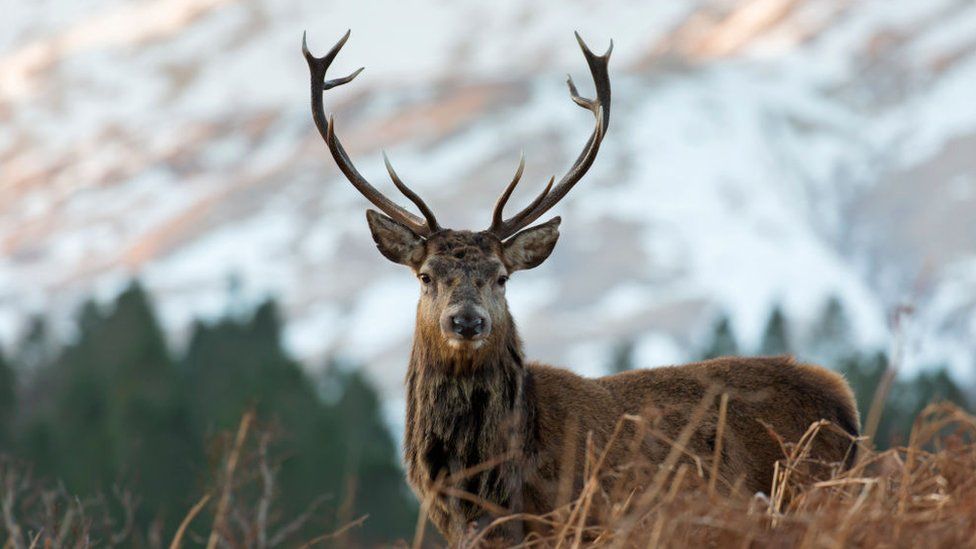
[[512, 434]]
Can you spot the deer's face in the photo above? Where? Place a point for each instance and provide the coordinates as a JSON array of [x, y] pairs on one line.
[[462, 275]]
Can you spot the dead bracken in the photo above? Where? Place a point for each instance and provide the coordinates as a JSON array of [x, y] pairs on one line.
[[922, 494]]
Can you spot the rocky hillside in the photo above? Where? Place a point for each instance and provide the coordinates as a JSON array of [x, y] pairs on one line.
[[761, 152]]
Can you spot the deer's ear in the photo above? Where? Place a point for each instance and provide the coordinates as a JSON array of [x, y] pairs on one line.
[[395, 241], [529, 248]]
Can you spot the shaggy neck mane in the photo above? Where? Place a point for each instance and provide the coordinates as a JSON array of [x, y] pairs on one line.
[[467, 409]]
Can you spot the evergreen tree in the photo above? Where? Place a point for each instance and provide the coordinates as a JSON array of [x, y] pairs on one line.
[[72, 418], [233, 365], [722, 341], [237, 364], [33, 356], [910, 396], [831, 337], [35, 349], [8, 402], [622, 357], [371, 458], [906, 398], [116, 413], [148, 406], [116, 409], [863, 373], [775, 339]]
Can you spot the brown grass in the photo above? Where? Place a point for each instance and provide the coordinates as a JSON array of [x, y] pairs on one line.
[[239, 511], [919, 495]]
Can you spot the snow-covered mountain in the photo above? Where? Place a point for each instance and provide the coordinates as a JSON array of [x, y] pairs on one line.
[[760, 152]]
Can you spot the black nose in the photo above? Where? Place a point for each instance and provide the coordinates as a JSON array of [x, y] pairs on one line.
[[467, 325]]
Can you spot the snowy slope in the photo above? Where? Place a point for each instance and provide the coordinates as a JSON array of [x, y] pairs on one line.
[[764, 151]]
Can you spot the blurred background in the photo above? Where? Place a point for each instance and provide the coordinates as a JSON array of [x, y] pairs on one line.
[[177, 245]]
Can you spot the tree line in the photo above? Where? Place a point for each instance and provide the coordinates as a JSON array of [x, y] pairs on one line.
[[117, 407], [829, 342]]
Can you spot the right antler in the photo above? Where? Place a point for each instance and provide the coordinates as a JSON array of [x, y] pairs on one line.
[[316, 68], [600, 107]]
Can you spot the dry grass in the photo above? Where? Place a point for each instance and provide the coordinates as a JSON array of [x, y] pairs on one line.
[[239, 511], [43, 515], [920, 495]]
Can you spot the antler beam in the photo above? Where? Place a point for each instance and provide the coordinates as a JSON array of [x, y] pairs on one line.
[[317, 67], [600, 107]]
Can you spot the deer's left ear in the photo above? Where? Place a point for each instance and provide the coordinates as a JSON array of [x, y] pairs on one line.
[[396, 242], [529, 248]]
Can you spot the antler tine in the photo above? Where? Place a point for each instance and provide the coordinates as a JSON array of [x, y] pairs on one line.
[[517, 219], [497, 224], [600, 107], [317, 67], [408, 192], [496, 216], [598, 65]]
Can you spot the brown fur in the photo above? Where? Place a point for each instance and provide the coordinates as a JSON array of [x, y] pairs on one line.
[[469, 406]]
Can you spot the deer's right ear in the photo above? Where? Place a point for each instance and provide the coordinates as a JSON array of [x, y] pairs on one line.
[[395, 241], [529, 248]]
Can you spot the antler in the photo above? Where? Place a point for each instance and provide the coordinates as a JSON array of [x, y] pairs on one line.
[[600, 107], [317, 66]]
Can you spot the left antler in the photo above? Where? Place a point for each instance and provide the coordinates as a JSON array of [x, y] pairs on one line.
[[317, 66], [600, 107]]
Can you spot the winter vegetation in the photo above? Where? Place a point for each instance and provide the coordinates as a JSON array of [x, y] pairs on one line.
[[139, 433], [118, 440], [919, 495]]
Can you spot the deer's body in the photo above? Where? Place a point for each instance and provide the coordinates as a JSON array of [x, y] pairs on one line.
[[535, 414], [489, 434]]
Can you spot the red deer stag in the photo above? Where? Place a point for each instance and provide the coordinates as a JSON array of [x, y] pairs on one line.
[[474, 399]]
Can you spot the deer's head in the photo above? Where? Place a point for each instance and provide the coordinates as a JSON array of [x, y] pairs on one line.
[[462, 274]]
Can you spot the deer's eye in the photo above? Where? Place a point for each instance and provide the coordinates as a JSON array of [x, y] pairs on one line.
[[502, 280], [424, 277]]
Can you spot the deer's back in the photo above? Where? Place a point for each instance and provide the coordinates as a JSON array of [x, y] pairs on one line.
[[776, 392]]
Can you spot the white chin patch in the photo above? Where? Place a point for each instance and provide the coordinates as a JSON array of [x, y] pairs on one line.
[[463, 345]]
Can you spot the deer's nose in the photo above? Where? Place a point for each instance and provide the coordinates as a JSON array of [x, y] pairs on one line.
[[467, 325]]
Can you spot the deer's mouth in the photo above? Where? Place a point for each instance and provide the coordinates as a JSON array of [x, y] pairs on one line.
[[462, 344]]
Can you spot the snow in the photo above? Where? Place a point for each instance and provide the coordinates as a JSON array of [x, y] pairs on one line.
[[382, 317], [171, 140]]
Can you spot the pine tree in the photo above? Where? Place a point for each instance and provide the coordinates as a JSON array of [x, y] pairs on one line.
[[233, 365], [239, 364], [775, 339], [906, 398], [116, 409], [148, 409], [622, 357], [72, 418], [36, 348], [722, 341], [831, 337], [371, 458], [863, 373], [910, 396], [8, 402], [116, 415]]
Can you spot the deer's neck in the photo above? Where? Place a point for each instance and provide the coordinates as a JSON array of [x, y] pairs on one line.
[[464, 411]]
